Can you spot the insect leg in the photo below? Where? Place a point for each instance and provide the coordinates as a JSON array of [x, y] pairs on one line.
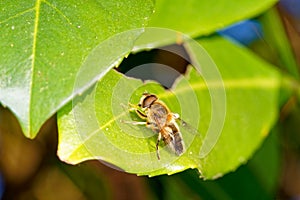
[[157, 143], [141, 114], [135, 122], [130, 107]]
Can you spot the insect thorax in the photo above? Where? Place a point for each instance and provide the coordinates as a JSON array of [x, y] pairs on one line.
[[158, 114]]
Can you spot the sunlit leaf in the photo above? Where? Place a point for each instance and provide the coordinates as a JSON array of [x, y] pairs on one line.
[[203, 17], [45, 43]]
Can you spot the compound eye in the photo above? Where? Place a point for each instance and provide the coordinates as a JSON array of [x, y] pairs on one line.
[[148, 101]]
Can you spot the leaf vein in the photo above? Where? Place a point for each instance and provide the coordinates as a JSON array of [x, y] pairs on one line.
[[58, 11], [34, 43], [17, 15]]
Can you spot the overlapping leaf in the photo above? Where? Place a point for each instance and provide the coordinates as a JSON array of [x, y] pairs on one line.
[[44, 44]]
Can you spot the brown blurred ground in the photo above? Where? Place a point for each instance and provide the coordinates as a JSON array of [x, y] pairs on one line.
[[32, 170]]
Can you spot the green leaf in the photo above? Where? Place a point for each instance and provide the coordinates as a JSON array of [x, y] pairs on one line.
[[252, 89], [197, 18], [45, 44], [232, 108]]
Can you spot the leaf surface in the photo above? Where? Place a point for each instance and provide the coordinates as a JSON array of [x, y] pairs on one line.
[[231, 102], [45, 44], [197, 18]]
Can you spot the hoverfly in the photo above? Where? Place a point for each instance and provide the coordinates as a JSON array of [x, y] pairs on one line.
[[161, 120]]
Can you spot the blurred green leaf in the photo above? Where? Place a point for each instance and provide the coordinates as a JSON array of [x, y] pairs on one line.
[[278, 42], [45, 43], [222, 103], [266, 165], [197, 18]]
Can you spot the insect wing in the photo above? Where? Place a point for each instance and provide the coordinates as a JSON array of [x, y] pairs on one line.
[[187, 127], [173, 138], [177, 143]]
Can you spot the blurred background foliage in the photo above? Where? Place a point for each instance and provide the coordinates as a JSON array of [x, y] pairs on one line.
[[30, 169]]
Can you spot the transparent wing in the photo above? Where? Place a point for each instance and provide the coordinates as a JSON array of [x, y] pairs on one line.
[[185, 125]]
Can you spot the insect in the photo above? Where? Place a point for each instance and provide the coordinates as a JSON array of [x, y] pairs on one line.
[[161, 120]]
